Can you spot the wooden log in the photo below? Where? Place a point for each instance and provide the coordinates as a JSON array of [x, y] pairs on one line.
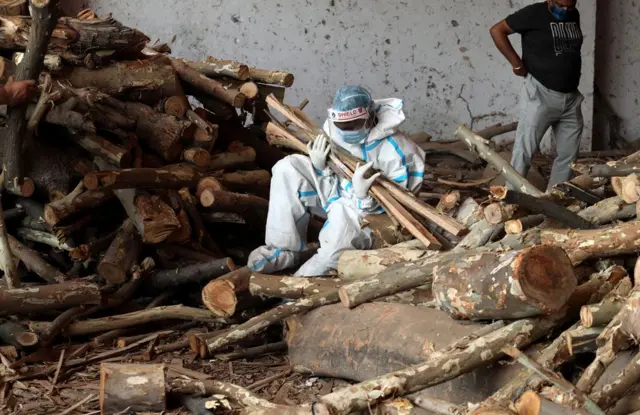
[[136, 318], [611, 169], [355, 265], [197, 156], [173, 176], [448, 201], [79, 41], [34, 262], [541, 206], [271, 77], [205, 140], [75, 203], [220, 161], [606, 211], [611, 392], [436, 368], [147, 81], [121, 255], [219, 296], [49, 297], [244, 178], [497, 213], [233, 202], [45, 17], [290, 287], [176, 106], [273, 316], [601, 314], [14, 334], [469, 213], [129, 387], [163, 133], [207, 85], [208, 183], [616, 184], [14, 7], [252, 351], [480, 146], [496, 130], [198, 273], [631, 188], [100, 147], [518, 226], [42, 237], [153, 218], [7, 264], [218, 68], [202, 235], [525, 283], [206, 387]]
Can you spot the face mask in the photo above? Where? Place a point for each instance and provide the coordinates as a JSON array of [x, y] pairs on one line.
[[558, 13], [354, 137]]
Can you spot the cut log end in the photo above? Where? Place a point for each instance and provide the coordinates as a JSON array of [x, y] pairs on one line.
[[219, 296], [499, 192], [546, 276], [208, 183], [25, 189], [249, 90], [27, 339], [529, 404], [513, 227], [176, 106], [198, 156], [207, 198], [586, 317]]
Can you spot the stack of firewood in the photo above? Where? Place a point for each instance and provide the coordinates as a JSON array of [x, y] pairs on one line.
[[136, 181]]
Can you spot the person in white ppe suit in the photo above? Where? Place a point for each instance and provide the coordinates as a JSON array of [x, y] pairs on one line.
[[302, 185]]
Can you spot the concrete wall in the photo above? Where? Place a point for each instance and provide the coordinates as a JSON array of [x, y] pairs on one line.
[[617, 69], [436, 55]]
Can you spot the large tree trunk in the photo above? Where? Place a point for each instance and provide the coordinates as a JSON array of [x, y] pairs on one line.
[[45, 16], [174, 176], [516, 284], [128, 387], [356, 265], [290, 287], [49, 297]]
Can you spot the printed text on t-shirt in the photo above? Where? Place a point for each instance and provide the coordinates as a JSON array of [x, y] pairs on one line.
[[567, 37]]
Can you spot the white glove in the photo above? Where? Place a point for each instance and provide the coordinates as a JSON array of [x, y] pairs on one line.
[[318, 151], [361, 185]]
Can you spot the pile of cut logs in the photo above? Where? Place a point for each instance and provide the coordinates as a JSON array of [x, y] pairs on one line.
[[136, 181]]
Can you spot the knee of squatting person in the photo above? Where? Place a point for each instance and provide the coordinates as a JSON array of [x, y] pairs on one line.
[[365, 128]]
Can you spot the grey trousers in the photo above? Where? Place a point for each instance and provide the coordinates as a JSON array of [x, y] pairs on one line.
[[542, 108]]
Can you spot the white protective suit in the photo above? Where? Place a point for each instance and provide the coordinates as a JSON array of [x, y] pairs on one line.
[[298, 188]]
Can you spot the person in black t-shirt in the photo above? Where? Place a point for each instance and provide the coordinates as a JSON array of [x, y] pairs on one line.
[[551, 64]]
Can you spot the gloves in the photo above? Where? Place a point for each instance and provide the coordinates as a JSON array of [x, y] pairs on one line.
[[318, 151], [361, 185]]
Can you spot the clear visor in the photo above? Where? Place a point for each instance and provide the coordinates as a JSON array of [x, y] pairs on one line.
[[354, 125]]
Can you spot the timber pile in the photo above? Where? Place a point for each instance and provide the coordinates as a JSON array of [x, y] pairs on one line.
[[137, 180]]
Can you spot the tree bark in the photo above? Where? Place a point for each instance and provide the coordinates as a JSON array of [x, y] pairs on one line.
[[18, 336], [100, 147], [611, 393], [121, 255], [213, 387], [201, 233], [75, 203], [173, 176], [34, 262], [136, 318], [470, 212], [220, 200], [218, 68], [601, 314], [606, 211], [252, 351], [512, 285], [153, 218], [448, 201], [292, 288], [480, 146], [244, 178], [497, 213], [147, 81], [11, 276], [611, 169], [45, 17], [164, 134], [129, 387], [49, 297], [271, 77], [541, 206], [517, 226], [220, 161], [356, 265], [197, 273], [207, 85], [269, 318]]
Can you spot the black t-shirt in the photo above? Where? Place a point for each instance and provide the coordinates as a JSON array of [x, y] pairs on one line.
[[550, 48]]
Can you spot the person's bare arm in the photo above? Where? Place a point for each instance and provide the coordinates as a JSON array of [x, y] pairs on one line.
[[500, 33]]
